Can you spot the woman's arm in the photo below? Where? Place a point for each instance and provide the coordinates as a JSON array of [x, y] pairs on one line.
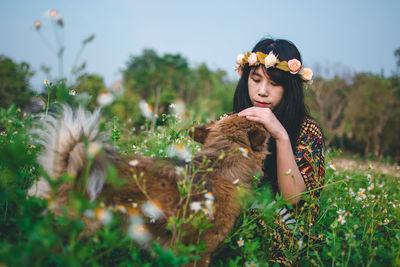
[[290, 180]]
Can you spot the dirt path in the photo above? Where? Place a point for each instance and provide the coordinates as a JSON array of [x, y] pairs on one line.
[[362, 165]]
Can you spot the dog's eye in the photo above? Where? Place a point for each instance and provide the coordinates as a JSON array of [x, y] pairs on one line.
[[163, 184]]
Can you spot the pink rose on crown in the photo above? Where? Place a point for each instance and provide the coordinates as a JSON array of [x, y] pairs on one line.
[[252, 59], [294, 66]]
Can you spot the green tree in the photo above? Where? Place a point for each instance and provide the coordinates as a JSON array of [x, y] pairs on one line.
[[391, 131], [327, 100], [14, 85], [93, 84], [149, 71], [397, 55], [371, 106], [167, 77]]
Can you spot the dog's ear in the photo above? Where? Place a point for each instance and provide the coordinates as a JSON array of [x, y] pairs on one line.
[[257, 139], [199, 134]]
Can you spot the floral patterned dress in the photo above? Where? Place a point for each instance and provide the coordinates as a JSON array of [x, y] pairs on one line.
[[310, 160]]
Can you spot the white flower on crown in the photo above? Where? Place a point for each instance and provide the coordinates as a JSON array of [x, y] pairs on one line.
[[252, 59], [270, 60], [239, 59], [306, 74], [293, 66]]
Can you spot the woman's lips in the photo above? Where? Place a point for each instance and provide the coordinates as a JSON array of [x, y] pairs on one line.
[[261, 104]]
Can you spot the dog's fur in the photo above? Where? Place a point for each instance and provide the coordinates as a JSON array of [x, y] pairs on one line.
[[65, 151]]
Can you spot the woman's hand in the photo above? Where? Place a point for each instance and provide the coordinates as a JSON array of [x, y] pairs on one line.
[[289, 185], [267, 118]]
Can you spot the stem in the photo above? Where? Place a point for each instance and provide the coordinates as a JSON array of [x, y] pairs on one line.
[[48, 100], [60, 51], [47, 43], [334, 248], [60, 62], [348, 256], [153, 123], [56, 34], [318, 188], [78, 55]]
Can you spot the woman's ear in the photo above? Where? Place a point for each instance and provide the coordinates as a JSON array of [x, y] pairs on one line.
[[257, 139], [199, 134]]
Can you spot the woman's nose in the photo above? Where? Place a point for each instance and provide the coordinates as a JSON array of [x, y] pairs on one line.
[[263, 89]]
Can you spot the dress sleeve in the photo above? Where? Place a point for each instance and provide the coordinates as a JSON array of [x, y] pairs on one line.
[[309, 155]]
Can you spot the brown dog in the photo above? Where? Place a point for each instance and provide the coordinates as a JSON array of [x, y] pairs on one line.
[[233, 146]]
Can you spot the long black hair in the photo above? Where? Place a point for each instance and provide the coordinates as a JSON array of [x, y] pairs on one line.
[[292, 110]]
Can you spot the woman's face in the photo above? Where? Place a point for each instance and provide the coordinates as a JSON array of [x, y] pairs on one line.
[[262, 91]]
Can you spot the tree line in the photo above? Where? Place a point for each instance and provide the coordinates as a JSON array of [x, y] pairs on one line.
[[359, 114]]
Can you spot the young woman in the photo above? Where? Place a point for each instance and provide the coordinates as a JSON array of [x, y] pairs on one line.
[[270, 91]]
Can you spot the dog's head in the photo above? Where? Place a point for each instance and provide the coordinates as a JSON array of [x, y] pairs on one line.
[[233, 128]]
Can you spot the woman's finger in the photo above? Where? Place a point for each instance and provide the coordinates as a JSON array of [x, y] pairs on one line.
[[248, 111], [253, 118]]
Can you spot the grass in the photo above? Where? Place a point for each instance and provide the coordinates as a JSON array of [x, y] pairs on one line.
[[358, 223]]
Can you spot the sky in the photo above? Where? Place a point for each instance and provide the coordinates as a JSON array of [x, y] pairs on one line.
[[333, 36]]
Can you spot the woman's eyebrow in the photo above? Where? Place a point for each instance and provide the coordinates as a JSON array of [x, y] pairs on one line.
[[255, 73]]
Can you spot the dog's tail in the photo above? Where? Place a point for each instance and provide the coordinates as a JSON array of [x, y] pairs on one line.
[[68, 140]]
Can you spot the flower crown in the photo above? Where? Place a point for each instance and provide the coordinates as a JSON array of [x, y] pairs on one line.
[[256, 58]]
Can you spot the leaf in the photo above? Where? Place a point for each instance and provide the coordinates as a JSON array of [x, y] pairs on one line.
[[88, 39], [261, 57], [283, 65]]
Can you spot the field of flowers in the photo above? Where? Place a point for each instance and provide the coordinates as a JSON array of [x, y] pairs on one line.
[[358, 223]]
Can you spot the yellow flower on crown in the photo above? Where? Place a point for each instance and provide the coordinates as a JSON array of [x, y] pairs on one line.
[[294, 66]]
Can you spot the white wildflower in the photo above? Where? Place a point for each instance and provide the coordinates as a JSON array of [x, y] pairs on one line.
[[178, 108], [195, 205], [89, 213], [139, 233], [300, 243], [146, 109], [371, 187], [150, 209], [332, 166], [179, 170], [120, 208], [180, 151], [209, 196], [103, 215], [133, 162], [105, 98], [245, 152], [240, 242], [340, 212], [341, 219], [361, 193]]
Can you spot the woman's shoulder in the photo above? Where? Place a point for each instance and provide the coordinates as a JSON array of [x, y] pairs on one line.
[[310, 129]]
